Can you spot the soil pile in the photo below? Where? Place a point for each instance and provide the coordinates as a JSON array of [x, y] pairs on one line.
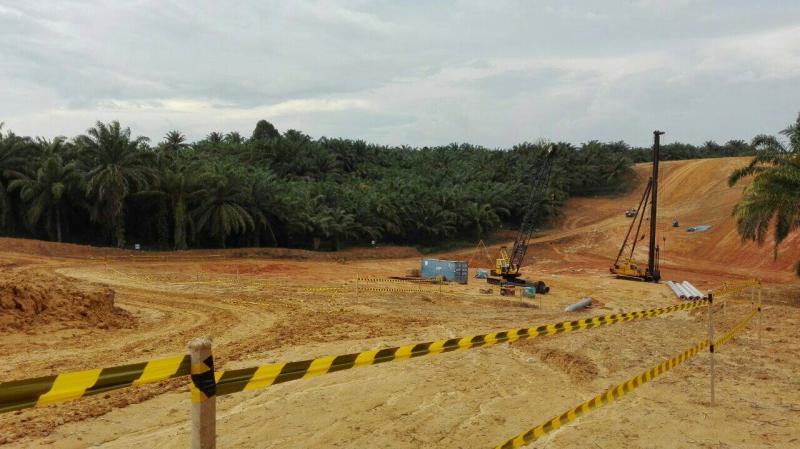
[[29, 300]]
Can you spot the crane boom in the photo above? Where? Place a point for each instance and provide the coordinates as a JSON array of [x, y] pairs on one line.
[[507, 264], [528, 225]]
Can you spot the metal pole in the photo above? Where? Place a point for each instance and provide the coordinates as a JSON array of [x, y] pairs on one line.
[[711, 341], [651, 262], [759, 312], [204, 400]]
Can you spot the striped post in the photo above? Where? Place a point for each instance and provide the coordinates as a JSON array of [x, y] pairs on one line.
[[204, 400], [711, 341]]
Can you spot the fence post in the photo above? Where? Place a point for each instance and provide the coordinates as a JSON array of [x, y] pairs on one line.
[[711, 341], [357, 284], [759, 312], [204, 389]]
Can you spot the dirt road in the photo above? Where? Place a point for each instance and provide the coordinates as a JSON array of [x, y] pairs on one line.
[[254, 308]]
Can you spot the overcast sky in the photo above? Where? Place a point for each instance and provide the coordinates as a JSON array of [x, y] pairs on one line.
[[493, 73]]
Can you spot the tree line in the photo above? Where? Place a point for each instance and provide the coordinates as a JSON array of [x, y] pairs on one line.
[[284, 189]]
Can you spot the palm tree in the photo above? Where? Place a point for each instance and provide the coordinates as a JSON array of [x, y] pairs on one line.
[[174, 142], [45, 194], [178, 184], [222, 207], [117, 166], [773, 198], [233, 137], [13, 158]]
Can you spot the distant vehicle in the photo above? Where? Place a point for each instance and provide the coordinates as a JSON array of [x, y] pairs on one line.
[[675, 224], [630, 213]]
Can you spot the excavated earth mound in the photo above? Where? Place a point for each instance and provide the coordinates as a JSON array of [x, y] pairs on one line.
[[29, 300]]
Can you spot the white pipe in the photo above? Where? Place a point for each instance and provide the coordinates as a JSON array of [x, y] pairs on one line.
[[695, 292], [582, 304], [686, 293], [672, 286], [678, 290], [699, 293], [690, 290]]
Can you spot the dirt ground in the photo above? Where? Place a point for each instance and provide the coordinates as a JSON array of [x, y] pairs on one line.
[[252, 303]]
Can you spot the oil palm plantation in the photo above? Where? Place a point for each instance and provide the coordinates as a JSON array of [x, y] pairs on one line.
[[222, 208], [46, 195], [117, 166], [14, 152], [771, 203], [174, 142], [178, 184]]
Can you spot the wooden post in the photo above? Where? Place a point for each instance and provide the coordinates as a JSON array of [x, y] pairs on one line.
[[711, 341], [357, 284], [204, 400], [759, 312]]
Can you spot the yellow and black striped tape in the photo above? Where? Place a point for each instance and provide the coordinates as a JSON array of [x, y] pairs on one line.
[[204, 382], [362, 289], [381, 280], [267, 375], [729, 290], [326, 289], [386, 289], [19, 394], [620, 390]]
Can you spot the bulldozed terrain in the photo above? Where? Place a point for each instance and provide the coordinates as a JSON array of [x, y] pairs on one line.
[[68, 307]]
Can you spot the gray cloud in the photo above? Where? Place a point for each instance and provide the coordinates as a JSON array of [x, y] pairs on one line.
[[420, 73]]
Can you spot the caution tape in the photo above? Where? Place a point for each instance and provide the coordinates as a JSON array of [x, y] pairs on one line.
[[618, 391], [380, 280], [729, 290], [204, 385], [393, 290], [361, 289], [19, 394], [326, 289], [15, 395], [246, 379]]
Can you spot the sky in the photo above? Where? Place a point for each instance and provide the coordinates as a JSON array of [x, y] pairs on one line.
[[492, 73]]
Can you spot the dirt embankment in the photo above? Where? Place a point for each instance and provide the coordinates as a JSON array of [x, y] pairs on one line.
[[71, 250], [31, 300]]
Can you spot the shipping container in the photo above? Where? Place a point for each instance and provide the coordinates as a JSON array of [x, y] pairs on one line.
[[449, 270]]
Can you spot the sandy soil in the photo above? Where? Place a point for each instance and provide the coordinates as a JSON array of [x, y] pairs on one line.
[[251, 302]]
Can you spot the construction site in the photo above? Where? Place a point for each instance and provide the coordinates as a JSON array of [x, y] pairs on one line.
[[67, 308]]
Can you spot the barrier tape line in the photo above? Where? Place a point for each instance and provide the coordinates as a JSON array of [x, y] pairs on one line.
[[729, 290], [379, 280], [620, 390], [203, 377], [264, 376], [19, 394], [362, 289]]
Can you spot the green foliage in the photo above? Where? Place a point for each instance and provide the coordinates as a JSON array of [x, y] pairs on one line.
[[290, 189], [117, 166], [771, 203]]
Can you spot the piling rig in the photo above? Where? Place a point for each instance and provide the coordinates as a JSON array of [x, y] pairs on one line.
[[507, 265], [625, 267]]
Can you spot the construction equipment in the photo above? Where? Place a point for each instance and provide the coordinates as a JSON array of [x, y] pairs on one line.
[[630, 213], [626, 267], [507, 266]]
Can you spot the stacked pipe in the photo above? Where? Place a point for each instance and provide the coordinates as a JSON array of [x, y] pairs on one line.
[[685, 290], [696, 293]]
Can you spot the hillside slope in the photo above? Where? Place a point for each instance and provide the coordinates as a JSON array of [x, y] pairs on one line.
[[694, 192]]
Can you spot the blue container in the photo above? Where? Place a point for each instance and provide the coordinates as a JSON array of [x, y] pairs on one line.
[[449, 270]]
